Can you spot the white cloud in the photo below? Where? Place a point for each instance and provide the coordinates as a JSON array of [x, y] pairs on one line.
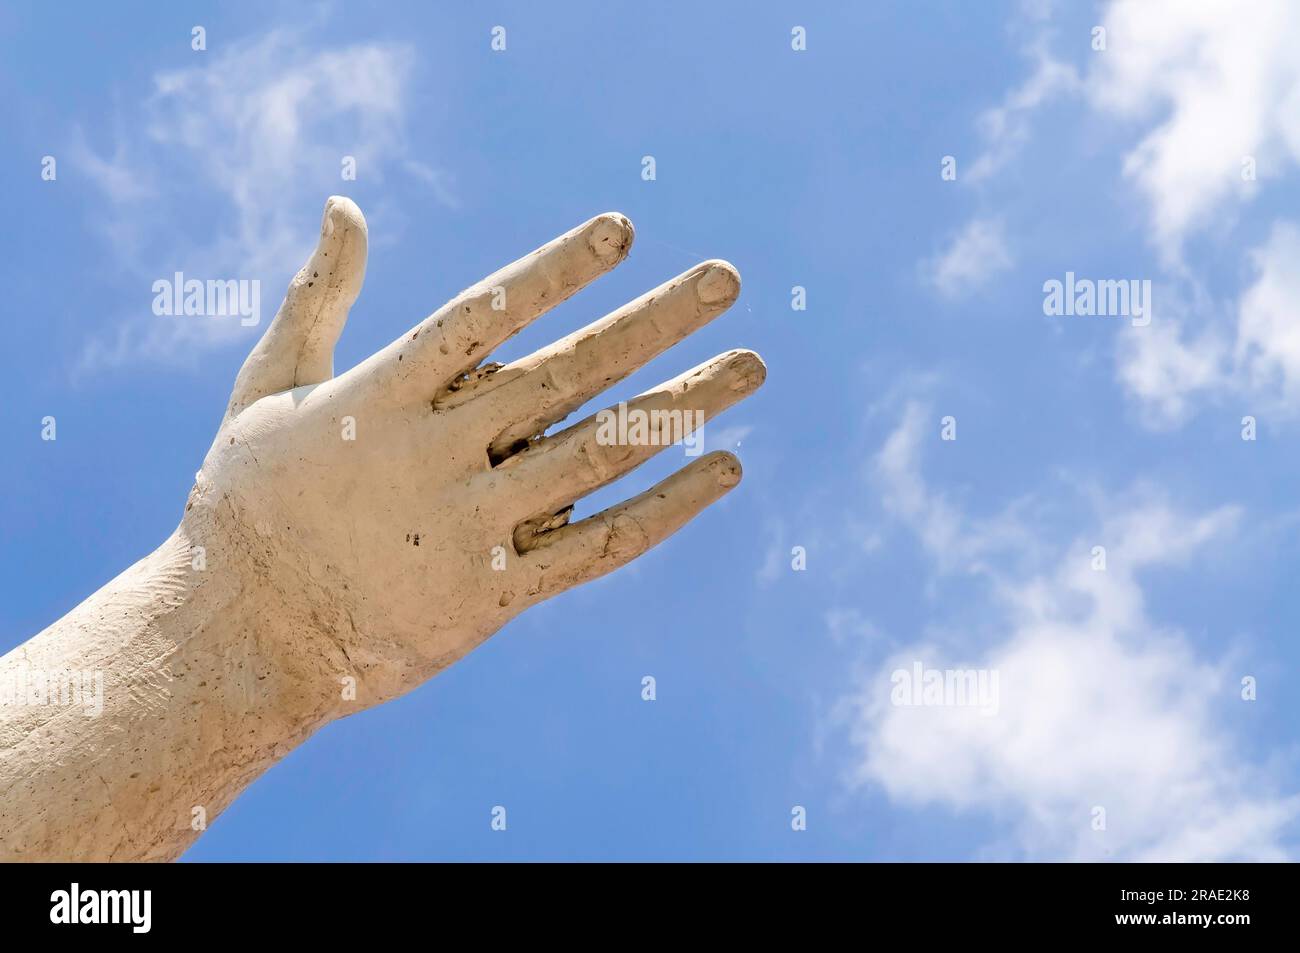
[[1202, 88], [254, 137], [974, 255], [1215, 83], [1223, 81], [1268, 324], [1168, 367], [1099, 704]]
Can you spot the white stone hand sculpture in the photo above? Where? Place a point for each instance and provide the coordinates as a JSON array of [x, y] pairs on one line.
[[348, 537]]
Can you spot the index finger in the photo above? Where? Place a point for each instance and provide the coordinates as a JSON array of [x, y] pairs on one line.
[[458, 336]]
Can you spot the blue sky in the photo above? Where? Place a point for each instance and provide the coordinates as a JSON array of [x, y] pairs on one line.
[[818, 168]]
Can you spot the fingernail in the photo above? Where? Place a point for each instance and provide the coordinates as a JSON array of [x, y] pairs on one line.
[[720, 283], [726, 470], [339, 212], [610, 237], [749, 369]]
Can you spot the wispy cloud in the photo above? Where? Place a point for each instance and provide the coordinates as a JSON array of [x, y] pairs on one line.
[[972, 256], [1006, 127], [1268, 328], [249, 142], [1173, 363], [727, 438], [1171, 367], [1101, 706]]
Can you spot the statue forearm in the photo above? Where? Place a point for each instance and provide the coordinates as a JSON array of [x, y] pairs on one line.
[[138, 717]]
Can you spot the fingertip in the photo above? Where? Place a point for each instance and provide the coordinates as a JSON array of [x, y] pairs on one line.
[[724, 466], [341, 213], [719, 283], [748, 368], [610, 236]]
